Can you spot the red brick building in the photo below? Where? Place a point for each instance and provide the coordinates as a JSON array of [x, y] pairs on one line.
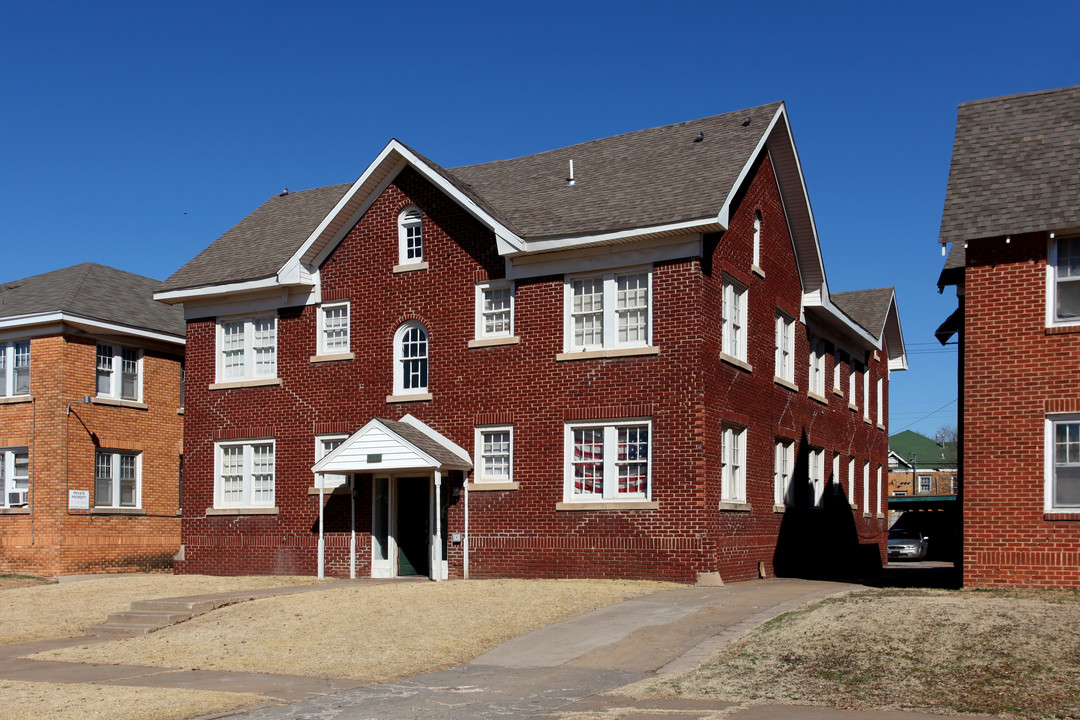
[[616, 359], [90, 431], [1012, 217]]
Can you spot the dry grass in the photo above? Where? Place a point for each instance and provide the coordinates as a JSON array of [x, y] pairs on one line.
[[33, 701], [1001, 653], [75, 605], [373, 633], [8, 582]]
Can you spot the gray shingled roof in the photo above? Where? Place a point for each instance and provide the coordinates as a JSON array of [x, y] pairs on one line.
[[952, 272], [868, 308], [1015, 166], [639, 179], [92, 291], [443, 455]]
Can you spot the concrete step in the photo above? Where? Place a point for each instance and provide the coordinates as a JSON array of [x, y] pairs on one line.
[[155, 618], [180, 605], [116, 631]]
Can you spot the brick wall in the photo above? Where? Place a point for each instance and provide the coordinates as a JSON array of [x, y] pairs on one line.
[[684, 389]]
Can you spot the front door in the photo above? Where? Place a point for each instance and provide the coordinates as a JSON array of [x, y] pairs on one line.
[[413, 532]]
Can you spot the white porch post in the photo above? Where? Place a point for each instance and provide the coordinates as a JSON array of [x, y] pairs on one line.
[[436, 550], [321, 539], [352, 526], [465, 539]]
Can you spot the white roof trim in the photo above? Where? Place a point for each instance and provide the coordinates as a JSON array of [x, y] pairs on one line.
[[565, 243], [52, 317], [724, 216], [429, 462], [438, 437], [174, 297]]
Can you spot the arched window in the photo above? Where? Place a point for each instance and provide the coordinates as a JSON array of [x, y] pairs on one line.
[[757, 238], [411, 359], [410, 236]]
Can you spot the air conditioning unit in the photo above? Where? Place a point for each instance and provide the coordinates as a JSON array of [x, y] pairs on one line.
[[15, 498]]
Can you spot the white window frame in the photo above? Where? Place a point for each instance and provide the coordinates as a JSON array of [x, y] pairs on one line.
[[866, 394], [880, 400], [400, 360], [324, 330], [783, 465], [1051, 465], [10, 481], [853, 383], [111, 364], [816, 361], [837, 487], [784, 360], [953, 486], [757, 239], [733, 474], [929, 485], [410, 219], [610, 463], [483, 311], [866, 486], [113, 458], [247, 496], [733, 335], [608, 313], [837, 383], [1054, 279], [815, 471], [877, 502], [14, 355], [851, 481], [250, 369], [483, 451], [330, 480]]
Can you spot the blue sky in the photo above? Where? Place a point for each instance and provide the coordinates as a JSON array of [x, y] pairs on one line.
[[134, 134]]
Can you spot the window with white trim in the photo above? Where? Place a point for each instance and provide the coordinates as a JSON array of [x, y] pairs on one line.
[[851, 481], [494, 309], [785, 347], [784, 463], [246, 348], [334, 328], [119, 372], [324, 445], [853, 384], [14, 477], [837, 488], [877, 502], [757, 238], [816, 476], [495, 453], [1065, 262], [952, 485], [411, 359], [816, 378], [609, 311], [733, 464], [925, 482], [14, 368], [880, 401], [608, 461], [866, 394], [733, 319], [244, 474], [866, 486], [117, 479], [1063, 463], [837, 366], [410, 236]]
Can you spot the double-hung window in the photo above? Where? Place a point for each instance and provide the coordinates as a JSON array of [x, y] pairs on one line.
[[879, 492], [733, 464], [836, 367], [816, 476], [411, 359], [608, 461], [410, 236], [613, 310], [880, 400], [816, 378], [733, 319], [494, 310], [494, 452], [14, 368], [14, 477], [1063, 463], [866, 487], [119, 372], [925, 484], [784, 464], [866, 394], [334, 328], [785, 347], [116, 480], [247, 348], [851, 481], [324, 445], [853, 383], [1065, 269], [244, 474]]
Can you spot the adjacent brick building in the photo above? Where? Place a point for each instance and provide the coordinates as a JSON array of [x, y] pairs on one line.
[[616, 359], [1012, 217], [90, 430]]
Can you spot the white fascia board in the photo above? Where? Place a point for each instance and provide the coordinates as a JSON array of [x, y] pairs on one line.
[[826, 304], [340, 449], [266, 300], [23, 321], [897, 355], [174, 297], [724, 216], [603, 257], [567, 243], [440, 438]]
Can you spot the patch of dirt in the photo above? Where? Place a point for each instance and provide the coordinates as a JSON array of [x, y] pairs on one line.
[[8, 582], [373, 633], [33, 701], [1001, 653]]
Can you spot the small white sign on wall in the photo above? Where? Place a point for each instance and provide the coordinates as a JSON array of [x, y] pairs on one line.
[[78, 499]]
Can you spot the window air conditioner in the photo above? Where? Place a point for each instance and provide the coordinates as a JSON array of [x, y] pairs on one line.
[[16, 498]]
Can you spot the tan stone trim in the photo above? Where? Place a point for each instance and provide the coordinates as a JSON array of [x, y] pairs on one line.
[[242, 511], [757, 270], [492, 486], [411, 267], [817, 398], [119, 403], [418, 397], [15, 511], [332, 358], [614, 505], [785, 383], [732, 360], [779, 508], [735, 506], [15, 399], [245, 384], [492, 342], [838, 391], [612, 353], [117, 511]]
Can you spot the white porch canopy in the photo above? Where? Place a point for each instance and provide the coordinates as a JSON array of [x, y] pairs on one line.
[[394, 446]]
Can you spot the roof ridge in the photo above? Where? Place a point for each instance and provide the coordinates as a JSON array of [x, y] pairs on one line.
[[998, 98], [76, 287]]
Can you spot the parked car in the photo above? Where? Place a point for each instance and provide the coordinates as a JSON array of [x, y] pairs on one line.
[[907, 543]]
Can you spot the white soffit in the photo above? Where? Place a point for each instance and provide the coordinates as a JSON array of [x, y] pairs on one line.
[[94, 325]]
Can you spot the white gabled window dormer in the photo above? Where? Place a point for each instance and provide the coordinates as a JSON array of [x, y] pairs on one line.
[[410, 236], [246, 348], [608, 311], [1063, 291], [118, 372]]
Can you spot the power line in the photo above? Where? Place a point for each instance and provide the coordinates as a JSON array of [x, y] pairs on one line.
[[929, 415]]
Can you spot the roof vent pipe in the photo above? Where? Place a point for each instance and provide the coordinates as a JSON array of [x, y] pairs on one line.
[[570, 180]]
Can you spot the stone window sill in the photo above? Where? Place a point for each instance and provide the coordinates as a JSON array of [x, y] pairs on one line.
[[613, 505], [179, 411], [757, 271], [418, 397], [119, 403], [785, 383], [245, 384], [880, 426], [732, 360], [866, 515], [612, 353], [838, 392], [779, 508], [332, 358], [492, 486], [867, 421], [117, 511], [15, 511], [411, 267], [242, 511], [15, 399], [336, 490], [734, 506], [818, 398], [494, 342], [852, 407]]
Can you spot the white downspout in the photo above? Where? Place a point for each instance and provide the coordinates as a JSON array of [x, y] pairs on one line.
[[352, 527], [436, 553], [321, 539], [465, 539]]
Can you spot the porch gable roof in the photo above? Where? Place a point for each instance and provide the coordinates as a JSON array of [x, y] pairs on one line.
[[395, 445]]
